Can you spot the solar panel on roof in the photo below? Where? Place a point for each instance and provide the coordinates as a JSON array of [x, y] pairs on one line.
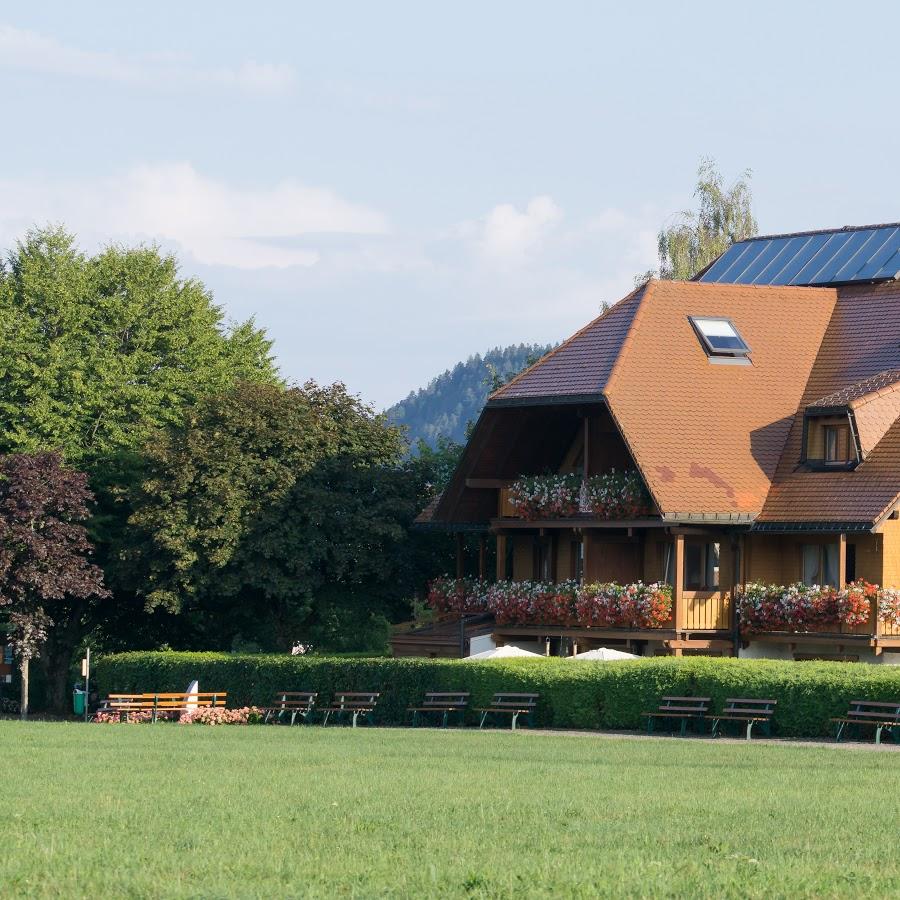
[[842, 256]]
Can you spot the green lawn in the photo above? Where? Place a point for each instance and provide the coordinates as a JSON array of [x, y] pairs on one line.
[[190, 811]]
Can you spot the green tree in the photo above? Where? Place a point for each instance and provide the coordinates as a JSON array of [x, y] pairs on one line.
[[723, 217], [273, 514], [97, 353]]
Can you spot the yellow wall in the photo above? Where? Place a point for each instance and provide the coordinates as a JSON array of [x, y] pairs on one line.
[[890, 540]]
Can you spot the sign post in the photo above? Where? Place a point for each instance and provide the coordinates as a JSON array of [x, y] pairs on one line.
[[86, 675]]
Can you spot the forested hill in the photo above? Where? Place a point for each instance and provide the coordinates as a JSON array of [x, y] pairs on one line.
[[454, 398]]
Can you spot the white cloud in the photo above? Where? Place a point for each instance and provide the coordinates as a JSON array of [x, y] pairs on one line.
[[30, 51], [508, 235], [217, 224]]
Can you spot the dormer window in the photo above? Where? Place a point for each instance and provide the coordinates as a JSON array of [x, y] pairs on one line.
[[720, 339], [828, 441]]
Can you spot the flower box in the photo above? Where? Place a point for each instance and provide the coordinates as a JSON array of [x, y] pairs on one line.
[[546, 496], [612, 495], [566, 604], [800, 607]]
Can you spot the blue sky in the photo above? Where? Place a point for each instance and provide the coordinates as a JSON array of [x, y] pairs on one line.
[[391, 187]]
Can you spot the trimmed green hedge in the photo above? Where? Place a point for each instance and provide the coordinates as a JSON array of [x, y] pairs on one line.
[[573, 694]]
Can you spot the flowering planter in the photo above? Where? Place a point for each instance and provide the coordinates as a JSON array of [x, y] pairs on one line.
[[617, 495], [612, 495], [889, 607], [567, 604], [546, 496], [457, 596], [800, 607]]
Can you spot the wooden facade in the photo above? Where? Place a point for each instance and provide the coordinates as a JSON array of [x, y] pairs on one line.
[[650, 549]]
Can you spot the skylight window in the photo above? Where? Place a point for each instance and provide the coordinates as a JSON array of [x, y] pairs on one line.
[[719, 337]]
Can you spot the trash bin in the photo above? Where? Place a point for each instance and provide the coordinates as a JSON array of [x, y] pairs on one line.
[[78, 696]]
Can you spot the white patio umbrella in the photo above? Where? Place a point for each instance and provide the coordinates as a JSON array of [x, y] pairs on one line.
[[605, 654], [507, 651]]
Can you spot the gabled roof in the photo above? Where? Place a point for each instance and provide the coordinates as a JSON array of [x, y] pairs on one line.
[[707, 438], [859, 353], [860, 392], [848, 255], [580, 366]]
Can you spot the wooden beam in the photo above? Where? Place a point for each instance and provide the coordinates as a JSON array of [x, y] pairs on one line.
[[501, 557], [678, 601], [488, 483], [842, 562], [698, 644], [482, 557]]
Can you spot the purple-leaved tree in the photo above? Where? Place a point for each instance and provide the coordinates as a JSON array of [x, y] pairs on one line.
[[44, 548]]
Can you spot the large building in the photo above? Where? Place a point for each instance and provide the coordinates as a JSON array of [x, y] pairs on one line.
[[758, 405]]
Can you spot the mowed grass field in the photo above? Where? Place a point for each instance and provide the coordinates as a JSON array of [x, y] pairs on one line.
[[191, 811]]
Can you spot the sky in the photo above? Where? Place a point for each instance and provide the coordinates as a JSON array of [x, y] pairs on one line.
[[391, 187]]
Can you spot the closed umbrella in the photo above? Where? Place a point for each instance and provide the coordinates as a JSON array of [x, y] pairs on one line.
[[605, 653]]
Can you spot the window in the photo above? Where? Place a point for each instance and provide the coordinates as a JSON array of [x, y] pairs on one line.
[[719, 337], [701, 567], [820, 564], [837, 444], [668, 563]]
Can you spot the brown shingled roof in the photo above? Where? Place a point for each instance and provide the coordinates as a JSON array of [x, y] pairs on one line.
[[862, 391], [582, 364], [707, 438], [861, 345]]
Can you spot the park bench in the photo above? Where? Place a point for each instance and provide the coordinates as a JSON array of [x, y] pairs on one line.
[[296, 704], [358, 704], [882, 716], [165, 704], [507, 704], [682, 709], [443, 702], [747, 711]]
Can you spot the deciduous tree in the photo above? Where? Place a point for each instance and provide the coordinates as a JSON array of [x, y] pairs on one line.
[[696, 237], [44, 549]]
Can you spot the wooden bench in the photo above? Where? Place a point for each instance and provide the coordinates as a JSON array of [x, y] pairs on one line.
[[511, 704], [747, 711], [358, 704], [683, 709], [443, 702], [882, 716], [163, 703], [297, 704]]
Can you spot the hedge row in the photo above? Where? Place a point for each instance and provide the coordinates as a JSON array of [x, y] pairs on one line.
[[573, 694]]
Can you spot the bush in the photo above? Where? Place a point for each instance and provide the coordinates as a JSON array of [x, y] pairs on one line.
[[573, 694]]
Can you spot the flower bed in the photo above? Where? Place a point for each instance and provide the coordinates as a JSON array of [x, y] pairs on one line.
[[204, 715], [546, 496], [800, 607], [568, 604]]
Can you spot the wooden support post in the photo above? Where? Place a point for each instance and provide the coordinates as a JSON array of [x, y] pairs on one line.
[[842, 562], [460, 556], [482, 557], [678, 600], [501, 557]]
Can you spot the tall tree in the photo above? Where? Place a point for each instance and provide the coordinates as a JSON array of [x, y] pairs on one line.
[[96, 354], [270, 510], [44, 549], [724, 216]]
